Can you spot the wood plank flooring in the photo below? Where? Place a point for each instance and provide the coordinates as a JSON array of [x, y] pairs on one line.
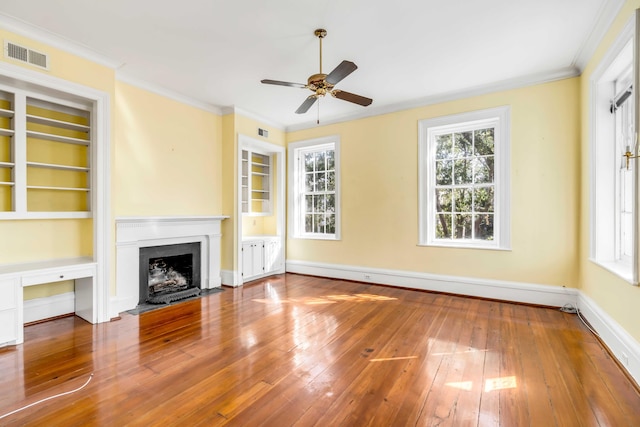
[[295, 350]]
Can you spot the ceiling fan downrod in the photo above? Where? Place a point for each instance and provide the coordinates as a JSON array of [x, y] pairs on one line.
[[320, 33]]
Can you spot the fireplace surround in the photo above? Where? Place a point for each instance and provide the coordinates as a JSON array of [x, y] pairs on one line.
[[134, 233]]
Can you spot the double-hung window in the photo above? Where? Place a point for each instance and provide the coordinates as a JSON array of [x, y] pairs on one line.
[[613, 173], [314, 197], [464, 180]]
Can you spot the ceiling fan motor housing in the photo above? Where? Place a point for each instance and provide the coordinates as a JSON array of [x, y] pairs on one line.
[[318, 84]]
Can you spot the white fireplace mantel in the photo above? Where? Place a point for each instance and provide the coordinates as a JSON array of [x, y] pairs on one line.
[[133, 233]]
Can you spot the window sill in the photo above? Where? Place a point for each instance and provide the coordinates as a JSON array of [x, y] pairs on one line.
[[312, 237], [465, 246], [622, 270]]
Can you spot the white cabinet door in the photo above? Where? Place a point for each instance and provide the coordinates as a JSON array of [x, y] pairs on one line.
[[272, 255], [252, 258]]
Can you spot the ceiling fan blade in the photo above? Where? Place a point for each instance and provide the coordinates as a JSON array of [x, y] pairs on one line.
[[306, 104], [352, 97], [280, 83], [340, 72]]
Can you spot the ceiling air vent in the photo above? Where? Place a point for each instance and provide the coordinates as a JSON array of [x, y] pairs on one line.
[[26, 55]]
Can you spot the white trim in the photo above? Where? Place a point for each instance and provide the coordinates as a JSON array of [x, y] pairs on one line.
[[295, 222], [48, 307], [500, 86], [621, 344], [54, 40], [546, 295], [229, 278], [500, 118], [606, 15], [159, 90]]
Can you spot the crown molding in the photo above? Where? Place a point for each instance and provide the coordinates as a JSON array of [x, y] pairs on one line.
[[517, 83], [25, 29], [608, 12], [159, 90], [251, 115]]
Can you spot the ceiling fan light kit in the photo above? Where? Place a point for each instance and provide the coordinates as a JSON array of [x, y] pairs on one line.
[[322, 84]]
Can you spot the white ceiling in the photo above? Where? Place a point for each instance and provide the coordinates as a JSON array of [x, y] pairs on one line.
[[408, 52]]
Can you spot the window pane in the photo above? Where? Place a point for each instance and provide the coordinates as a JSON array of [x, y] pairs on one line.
[[443, 200], [462, 199], [463, 144], [318, 223], [483, 170], [331, 203], [321, 181], [319, 204], [483, 199], [308, 203], [484, 143], [443, 226], [331, 160], [483, 226], [462, 226], [320, 165], [308, 223], [331, 181], [308, 162], [331, 224], [463, 170], [308, 179], [443, 146], [444, 172]]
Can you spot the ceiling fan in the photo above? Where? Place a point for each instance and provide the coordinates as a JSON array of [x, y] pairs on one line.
[[321, 84]]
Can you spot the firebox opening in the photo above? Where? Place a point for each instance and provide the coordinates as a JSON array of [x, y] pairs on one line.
[[169, 273]]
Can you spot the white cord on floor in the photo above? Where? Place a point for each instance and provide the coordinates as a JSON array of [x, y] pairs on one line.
[[569, 308], [47, 398]]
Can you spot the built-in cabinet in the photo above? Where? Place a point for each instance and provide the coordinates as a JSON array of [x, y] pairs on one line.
[[256, 183], [261, 256], [9, 322]]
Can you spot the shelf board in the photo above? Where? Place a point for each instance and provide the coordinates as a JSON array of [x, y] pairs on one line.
[[42, 187], [6, 113], [58, 138], [6, 132], [7, 184], [57, 123], [58, 167], [45, 215], [6, 165]]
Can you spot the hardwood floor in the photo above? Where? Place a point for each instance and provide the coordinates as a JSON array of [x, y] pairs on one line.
[[298, 350]]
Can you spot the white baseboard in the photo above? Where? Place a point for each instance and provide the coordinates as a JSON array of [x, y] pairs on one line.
[[229, 278], [622, 345], [45, 308], [548, 295]]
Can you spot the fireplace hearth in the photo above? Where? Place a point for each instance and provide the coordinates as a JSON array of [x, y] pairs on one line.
[[169, 273]]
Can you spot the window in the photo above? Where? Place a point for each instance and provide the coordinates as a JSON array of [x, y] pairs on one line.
[[613, 177], [464, 180], [314, 171]]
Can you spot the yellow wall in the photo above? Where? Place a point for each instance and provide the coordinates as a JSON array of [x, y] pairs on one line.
[[379, 184], [168, 156], [615, 296]]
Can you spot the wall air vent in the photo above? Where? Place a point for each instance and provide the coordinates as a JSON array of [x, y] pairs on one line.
[[26, 55], [263, 132]]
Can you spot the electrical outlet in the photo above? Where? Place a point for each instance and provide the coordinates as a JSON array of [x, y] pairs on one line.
[[367, 276]]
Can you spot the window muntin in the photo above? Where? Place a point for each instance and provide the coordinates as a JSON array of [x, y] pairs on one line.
[[315, 190], [464, 180]]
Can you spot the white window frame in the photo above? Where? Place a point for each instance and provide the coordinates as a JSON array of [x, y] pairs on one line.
[[296, 187], [427, 130], [606, 160]]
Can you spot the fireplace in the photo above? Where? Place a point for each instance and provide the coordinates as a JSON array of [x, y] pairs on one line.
[[169, 273], [135, 234]]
